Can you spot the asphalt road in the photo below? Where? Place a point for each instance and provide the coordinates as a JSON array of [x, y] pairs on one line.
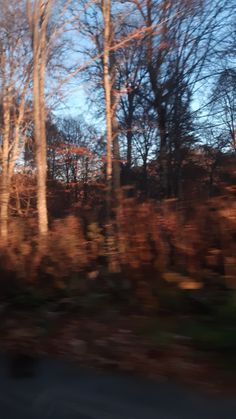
[[63, 391]]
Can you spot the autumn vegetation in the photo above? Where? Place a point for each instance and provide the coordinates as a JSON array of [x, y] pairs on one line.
[[130, 204]]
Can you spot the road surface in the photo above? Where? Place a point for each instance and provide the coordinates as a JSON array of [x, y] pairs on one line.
[[62, 390]]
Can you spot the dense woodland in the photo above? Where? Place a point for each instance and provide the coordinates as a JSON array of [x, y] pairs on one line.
[[140, 179]]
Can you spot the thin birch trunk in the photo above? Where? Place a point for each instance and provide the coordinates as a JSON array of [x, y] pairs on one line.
[[7, 98], [39, 22], [106, 9], [111, 249]]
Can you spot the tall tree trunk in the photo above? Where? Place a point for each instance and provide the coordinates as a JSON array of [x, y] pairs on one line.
[[116, 156], [5, 193], [153, 66], [5, 196], [112, 147], [129, 148], [86, 176], [163, 163], [39, 21], [129, 135], [40, 157], [10, 143], [106, 9], [114, 122]]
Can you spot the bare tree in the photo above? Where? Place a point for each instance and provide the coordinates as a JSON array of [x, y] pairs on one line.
[[97, 46], [223, 107], [15, 72], [106, 12], [181, 44], [38, 15]]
